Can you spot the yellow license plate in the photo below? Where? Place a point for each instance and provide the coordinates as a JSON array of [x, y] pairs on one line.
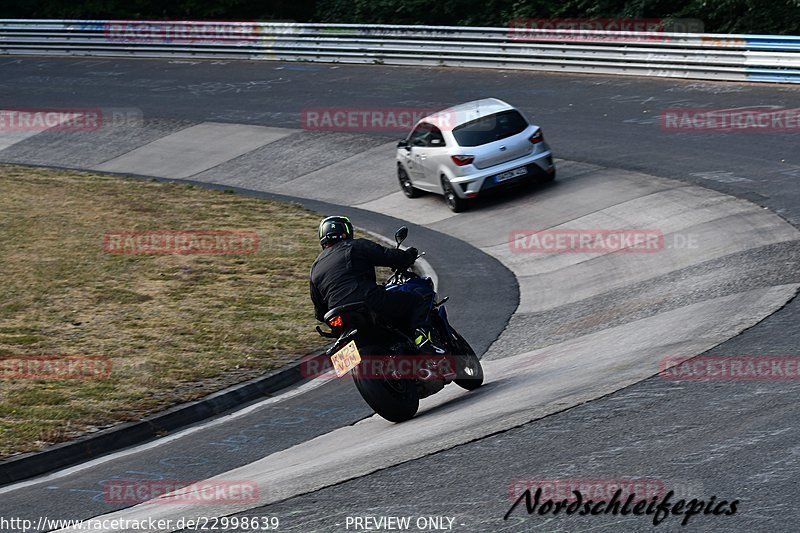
[[346, 359]]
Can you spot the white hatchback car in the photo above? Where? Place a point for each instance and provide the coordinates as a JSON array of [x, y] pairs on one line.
[[465, 150]]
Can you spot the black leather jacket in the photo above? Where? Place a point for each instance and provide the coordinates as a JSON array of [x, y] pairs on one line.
[[345, 272]]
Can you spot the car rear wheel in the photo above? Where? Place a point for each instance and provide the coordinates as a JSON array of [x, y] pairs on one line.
[[452, 200], [405, 183]]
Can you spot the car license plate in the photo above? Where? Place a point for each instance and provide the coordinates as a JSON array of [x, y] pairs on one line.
[[346, 359], [521, 171]]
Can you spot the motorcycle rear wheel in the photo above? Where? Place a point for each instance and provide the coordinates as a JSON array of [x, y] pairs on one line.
[[396, 400]]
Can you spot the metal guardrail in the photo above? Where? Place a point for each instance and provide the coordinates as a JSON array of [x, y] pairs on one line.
[[760, 58]]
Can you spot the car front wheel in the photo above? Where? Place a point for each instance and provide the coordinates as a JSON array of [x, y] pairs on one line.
[[452, 200], [405, 183]]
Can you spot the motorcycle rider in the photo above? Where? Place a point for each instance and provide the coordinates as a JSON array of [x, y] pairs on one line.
[[345, 273]]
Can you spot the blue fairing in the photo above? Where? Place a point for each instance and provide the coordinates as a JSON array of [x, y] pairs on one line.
[[424, 288], [421, 286], [443, 315]]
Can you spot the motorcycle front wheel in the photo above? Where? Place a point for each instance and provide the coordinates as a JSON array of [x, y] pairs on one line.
[[470, 370]]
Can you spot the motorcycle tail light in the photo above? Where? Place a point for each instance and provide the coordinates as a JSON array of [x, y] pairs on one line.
[[336, 321]]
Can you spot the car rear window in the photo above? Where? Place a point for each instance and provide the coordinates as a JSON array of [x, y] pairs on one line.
[[490, 128]]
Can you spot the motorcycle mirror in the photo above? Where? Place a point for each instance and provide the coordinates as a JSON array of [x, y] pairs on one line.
[[400, 235]]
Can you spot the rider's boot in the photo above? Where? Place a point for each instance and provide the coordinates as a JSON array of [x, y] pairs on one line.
[[422, 339]]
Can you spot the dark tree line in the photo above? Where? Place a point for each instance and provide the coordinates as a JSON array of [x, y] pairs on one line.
[[718, 16]]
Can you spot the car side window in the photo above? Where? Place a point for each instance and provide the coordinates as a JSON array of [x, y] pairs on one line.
[[418, 136], [426, 135], [436, 139]]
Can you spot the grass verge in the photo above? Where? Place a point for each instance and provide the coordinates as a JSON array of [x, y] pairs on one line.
[[175, 327]]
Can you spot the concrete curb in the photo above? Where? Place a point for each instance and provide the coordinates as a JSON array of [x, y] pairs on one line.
[[115, 438]]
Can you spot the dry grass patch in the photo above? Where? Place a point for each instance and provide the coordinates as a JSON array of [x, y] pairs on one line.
[[176, 327]]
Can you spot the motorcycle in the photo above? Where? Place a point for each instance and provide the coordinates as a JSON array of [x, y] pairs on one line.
[[388, 369]]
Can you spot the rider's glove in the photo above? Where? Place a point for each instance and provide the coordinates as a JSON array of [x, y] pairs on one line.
[[412, 254]]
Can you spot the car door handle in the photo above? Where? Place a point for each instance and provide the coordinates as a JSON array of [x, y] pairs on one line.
[[421, 157]]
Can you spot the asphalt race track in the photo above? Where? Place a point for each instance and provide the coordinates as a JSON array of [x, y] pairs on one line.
[[572, 390]]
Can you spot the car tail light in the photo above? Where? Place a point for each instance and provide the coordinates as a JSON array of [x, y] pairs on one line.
[[537, 137], [462, 160], [336, 321]]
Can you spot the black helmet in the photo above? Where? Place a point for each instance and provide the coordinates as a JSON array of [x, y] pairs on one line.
[[334, 229]]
